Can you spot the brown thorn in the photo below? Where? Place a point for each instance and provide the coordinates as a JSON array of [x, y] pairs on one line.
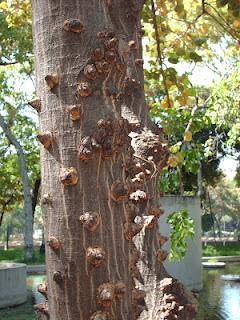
[[58, 277], [162, 240], [138, 296], [95, 256], [36, 104], [46, 198], [139, 62], [105, 295], [42, 288], [132, 229], [84, 89], [103, 67], [73, 25], [52, 80], [161, 255], [132, 44], [45, 138], [53, 243], [118, 191], [98, 54], [90, 72], [87, 147], [75, 112], [69, 176], [90, 220], [138, 196], [111, 44], [42, 308]]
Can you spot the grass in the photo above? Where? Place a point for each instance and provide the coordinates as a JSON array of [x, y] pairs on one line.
[[17, 255], [230, 249], [22, 312]]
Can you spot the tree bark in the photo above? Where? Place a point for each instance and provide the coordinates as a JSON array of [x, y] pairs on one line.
[[100, 159], [28, 223]]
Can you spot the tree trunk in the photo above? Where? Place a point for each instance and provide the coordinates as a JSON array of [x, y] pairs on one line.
[[100, 159], [35, 193], [28, 221], [1, 217], [8, 233], [199, 181], [3, 209]]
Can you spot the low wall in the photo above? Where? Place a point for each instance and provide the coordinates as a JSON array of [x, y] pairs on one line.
[[188, 270], [13, 288]]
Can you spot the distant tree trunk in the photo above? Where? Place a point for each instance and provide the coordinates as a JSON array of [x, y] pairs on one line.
[[4, 206], [42, 247], [8, 233], [28, 221], [35, 193], [212, 215], [1, 217], [100, 159], [199, 181]]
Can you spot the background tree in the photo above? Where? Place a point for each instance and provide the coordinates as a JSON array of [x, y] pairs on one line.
[[18, 140], [187, 35], [224, 204]]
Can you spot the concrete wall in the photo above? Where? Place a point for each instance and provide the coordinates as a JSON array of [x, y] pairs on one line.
[[13, 288], [188, 270]]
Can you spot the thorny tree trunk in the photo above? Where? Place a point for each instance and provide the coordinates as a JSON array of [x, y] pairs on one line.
[[28, 216], [100, 159]]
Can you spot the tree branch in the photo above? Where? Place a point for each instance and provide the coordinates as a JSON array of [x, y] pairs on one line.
[[7, 63]]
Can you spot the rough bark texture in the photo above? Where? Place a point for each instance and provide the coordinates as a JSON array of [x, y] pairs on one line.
[[28, 215], [100, 159]]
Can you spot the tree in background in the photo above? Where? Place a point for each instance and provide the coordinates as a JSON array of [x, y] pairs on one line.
[[223, 203], [19, 154], [184, 35]]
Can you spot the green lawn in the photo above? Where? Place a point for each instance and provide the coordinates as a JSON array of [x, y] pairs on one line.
[[230, 249], [23, 312], [17, 255]]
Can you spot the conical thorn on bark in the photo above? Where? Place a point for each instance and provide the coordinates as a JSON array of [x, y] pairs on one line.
[[90, 220], [106, 295], [45, 138], [75, 112], [53, 243], [95, 256], [36, 104], [73, 25], [69, 176], [52, 80], [118, 191]]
